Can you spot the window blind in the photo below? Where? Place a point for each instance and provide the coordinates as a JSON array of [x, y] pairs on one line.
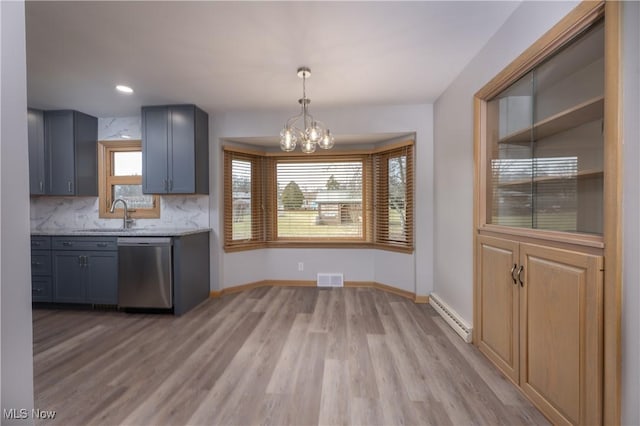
[[243, 195], [393, 197], [320, 198], [358, 198]]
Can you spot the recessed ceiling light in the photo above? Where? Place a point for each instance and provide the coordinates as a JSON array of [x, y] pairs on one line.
[[124, 89]]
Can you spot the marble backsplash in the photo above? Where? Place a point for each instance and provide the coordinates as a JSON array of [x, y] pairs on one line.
[[119, 128], [50, 213]]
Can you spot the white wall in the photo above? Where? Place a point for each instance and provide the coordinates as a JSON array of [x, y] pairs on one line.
[[453, 149], [631, 215], [16, 356], [411, 272]]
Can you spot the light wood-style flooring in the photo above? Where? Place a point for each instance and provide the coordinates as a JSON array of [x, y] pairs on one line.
[[272, 355]]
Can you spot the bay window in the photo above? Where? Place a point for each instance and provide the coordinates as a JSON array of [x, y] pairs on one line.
[[353, 199]]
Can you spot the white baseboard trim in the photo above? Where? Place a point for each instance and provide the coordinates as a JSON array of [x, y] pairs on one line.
[[452, 318]]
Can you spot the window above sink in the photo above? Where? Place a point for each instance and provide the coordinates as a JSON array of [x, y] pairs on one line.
[[120, 175]]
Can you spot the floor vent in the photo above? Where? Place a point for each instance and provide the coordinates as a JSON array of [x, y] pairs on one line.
[[330, 280], [451, 317]]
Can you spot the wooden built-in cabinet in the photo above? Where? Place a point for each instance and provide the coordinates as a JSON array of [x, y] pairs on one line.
[[547, 214], [541, 324]]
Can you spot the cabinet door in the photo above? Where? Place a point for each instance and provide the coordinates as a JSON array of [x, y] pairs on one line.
[[155, 135], [60, 152], [85, 138], [41, 289], [36, 152], [102, 277], [561, 333], [41, 262], [182, 160], [499, 303], [68, 277]]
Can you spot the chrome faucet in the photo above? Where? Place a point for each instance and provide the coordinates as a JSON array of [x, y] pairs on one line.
[[126, 222]]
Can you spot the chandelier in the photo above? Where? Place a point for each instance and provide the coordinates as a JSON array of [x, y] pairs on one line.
[[303, 127]]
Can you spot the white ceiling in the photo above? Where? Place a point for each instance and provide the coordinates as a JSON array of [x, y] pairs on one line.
[[226, 56]]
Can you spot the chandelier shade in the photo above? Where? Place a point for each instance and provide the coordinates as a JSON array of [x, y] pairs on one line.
[[303, 128]]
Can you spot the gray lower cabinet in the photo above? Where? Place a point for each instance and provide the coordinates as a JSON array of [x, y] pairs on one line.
[[190, 271], [69, 277], [41, 284], [84, 270], [175, 150]]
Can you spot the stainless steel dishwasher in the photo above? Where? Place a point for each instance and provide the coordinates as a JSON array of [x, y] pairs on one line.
[[144, 272]]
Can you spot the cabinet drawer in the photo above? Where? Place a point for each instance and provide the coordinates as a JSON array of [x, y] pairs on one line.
[[40, 243], [83, 243], [41, 289], [40, 262]]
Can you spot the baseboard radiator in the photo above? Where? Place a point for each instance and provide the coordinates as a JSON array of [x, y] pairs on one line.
[[451, 317], [330, 280]]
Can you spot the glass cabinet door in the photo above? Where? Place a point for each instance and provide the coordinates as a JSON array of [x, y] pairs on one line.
[[546, 146], [510, 168]]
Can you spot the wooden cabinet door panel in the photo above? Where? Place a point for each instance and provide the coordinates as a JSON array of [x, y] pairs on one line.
[[561, 333], [498, 328]]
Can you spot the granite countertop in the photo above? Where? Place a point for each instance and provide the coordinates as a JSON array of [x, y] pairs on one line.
[[118, 232]]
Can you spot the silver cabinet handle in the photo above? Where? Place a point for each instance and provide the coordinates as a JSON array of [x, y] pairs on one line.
[[35, 263], [170, 184], [69, 185], [520, 275], [36, 290], [513, 277], [102, 244], [67, 243], [41, 186]]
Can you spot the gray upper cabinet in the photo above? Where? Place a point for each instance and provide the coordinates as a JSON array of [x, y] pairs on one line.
[[70, 139], [62, 153], [37, 169], [175, 150]]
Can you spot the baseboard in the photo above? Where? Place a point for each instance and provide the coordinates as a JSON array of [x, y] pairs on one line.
[[309, 283], [421, 299], [451, 317]]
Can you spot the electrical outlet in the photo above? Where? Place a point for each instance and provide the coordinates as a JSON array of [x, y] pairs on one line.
[[300, 266]]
